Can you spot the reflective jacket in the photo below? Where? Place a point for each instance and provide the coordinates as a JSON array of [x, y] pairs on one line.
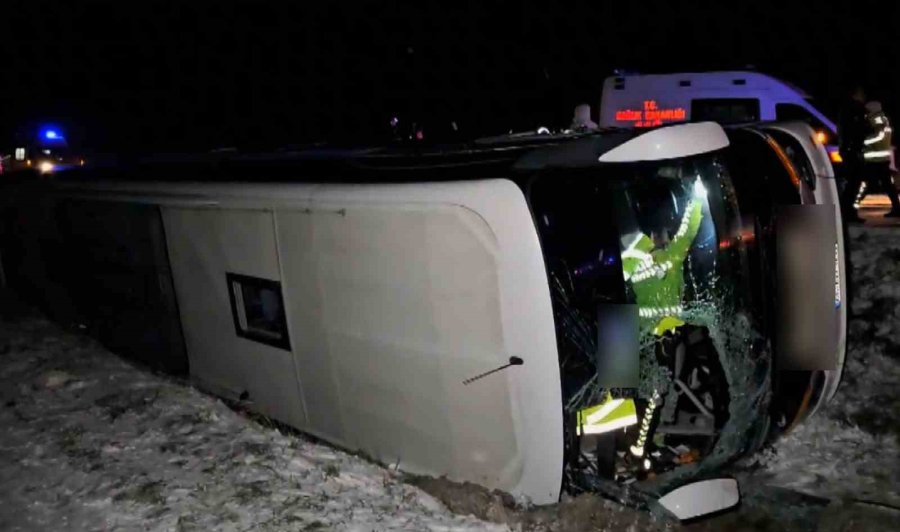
[[657, 276], [877, 146]]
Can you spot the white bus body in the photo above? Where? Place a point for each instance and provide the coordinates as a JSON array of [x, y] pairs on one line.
[[360, 311], [393, 296]]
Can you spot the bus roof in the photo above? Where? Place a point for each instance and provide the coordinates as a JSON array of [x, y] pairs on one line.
[[712, 79]]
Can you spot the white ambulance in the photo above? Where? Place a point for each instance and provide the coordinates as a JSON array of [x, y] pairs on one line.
[[726, 97]]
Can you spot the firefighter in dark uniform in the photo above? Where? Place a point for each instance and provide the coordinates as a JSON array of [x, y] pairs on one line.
[[852, 131]]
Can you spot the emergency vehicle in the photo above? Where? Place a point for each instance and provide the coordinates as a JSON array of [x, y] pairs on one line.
[[726, 97]]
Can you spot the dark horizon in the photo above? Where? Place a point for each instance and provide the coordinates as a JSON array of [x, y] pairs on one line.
[[170, 77]]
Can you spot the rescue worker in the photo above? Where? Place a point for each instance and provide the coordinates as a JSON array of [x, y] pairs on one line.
[[654, 265], [877, 154], [852, 131]]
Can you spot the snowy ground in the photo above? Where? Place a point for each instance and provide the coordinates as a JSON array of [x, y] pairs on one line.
[[90, 442]]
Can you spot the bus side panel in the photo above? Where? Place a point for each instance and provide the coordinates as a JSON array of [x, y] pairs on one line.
[[205, 245], [396, 296], [408, 307], [390, 296]]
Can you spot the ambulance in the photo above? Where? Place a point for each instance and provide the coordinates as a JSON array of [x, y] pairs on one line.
[[726, 97]]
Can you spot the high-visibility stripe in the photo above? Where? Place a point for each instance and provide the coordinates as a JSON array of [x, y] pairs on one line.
[[610, 415], [634, 243], [685, 220], [653, 312], [631, 252], [607, 407], [880, 154], [653, 270], [877, 138], [635, 254], [614, 424], [638, 448], [643, 257]]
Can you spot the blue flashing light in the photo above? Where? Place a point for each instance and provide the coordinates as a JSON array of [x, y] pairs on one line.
[[51, 134]]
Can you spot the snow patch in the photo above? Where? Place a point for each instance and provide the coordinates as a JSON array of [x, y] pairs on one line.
[[92, 442], [850, 449]]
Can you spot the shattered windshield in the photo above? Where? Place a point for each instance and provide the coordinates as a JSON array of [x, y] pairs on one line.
[[648, 278]]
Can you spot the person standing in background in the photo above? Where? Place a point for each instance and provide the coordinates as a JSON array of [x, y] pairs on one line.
[[852, 132], [877, 154]]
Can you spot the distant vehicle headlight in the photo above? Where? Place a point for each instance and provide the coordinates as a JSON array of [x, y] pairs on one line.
[[45, 167]]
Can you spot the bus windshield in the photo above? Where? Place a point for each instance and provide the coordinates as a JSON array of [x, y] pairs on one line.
[[658, 247]]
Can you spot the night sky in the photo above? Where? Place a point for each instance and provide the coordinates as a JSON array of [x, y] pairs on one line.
[[166, 76]]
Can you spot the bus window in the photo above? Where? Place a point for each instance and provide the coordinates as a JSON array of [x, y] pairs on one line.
[[725, 110]]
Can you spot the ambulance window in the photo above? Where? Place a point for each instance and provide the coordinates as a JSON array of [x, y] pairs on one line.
[[258, 310], [792, 111], [725, 110]]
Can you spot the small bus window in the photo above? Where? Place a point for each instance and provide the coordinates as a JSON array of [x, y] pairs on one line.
[[725, 110], [258, 310]]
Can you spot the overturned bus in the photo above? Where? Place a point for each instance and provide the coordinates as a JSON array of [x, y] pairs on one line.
[[591, 311]]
